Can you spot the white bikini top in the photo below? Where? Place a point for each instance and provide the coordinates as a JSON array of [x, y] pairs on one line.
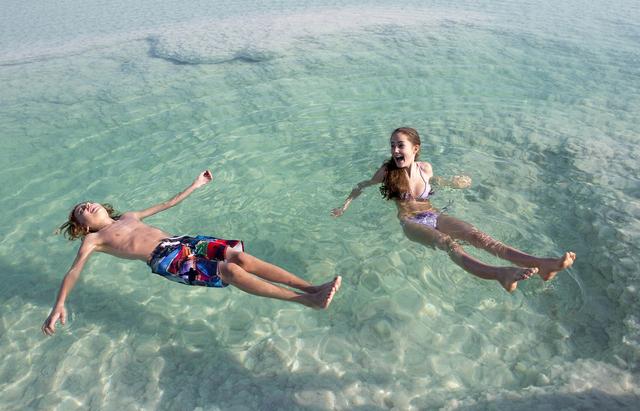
[[427, 187]]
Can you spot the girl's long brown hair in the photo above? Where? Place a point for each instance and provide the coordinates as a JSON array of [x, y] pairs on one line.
[[73, 230], [396, 181]]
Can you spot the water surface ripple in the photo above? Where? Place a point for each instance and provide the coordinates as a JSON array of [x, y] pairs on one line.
[[290, 105]]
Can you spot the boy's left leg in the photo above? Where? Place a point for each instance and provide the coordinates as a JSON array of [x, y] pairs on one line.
[[273, 273], [235, 275]]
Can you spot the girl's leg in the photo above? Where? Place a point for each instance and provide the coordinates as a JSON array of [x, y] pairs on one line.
[[507, 276], [235, 275], [458, 229], [272, 272]]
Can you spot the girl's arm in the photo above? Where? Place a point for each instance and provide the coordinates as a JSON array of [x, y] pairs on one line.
[[377, 178], [453, 182], [58, 312], [202, 179]]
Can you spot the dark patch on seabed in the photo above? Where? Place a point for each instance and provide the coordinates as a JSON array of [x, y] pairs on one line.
[[242, 56]]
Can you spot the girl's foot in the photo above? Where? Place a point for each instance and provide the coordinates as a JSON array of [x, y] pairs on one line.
[[549, 267], [509, 276]]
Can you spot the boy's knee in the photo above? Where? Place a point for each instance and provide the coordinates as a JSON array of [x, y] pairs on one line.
[[236, 257], [240, 258], [226, 271]]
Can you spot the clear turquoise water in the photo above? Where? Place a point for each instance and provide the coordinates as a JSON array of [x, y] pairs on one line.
[[290, 105]]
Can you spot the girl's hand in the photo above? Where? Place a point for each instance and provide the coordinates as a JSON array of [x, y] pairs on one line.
[[461, 182], [337, 212], [58, 313], [204, 178]]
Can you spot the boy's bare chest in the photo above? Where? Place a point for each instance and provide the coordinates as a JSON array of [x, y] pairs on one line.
[[131, 239]]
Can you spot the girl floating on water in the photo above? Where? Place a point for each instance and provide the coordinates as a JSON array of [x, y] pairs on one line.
[[200, 260], [408, 182]]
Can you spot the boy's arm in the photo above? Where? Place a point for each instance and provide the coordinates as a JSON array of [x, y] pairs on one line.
[[58, 312], [202, 179], [377, 178]]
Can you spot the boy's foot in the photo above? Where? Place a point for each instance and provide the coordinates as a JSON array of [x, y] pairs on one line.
[[317, 288], [323, 297], [509, 276], [550, 266]]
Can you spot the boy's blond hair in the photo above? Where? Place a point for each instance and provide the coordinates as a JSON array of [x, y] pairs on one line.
[[73, 230]]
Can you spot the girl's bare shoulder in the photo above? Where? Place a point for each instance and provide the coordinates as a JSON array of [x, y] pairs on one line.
[[425, 166]]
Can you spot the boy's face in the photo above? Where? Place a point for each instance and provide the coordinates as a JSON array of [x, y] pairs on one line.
[[89, 214]]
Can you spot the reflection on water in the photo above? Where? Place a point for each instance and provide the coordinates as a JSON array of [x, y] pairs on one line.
[[290, 110]]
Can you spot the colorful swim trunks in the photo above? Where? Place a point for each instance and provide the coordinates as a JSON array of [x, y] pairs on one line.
[[192, 260]]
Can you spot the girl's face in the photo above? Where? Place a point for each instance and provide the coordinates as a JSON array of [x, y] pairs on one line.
[[87, 214], [403, 151]]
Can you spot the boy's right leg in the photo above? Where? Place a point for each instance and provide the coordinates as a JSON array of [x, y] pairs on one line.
[[508, 277], [235, 275], [273, 273]]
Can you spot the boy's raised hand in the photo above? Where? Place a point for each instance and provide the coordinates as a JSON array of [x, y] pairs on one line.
[[58, 313], [202, 179]]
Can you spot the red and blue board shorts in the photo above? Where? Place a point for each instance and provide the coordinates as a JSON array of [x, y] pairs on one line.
[[192, 260]]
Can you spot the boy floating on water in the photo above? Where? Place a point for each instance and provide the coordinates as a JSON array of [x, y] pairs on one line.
[[408, 182], [200, 260]]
